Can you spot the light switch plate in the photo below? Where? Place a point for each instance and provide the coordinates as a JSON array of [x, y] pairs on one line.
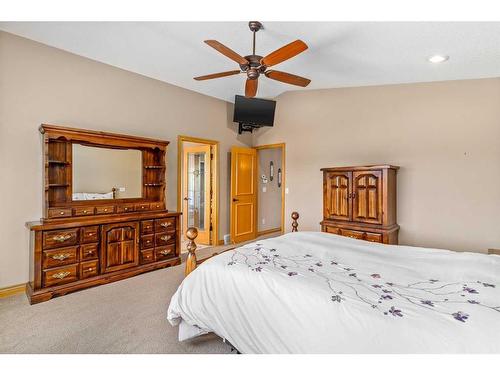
[[286, 190]]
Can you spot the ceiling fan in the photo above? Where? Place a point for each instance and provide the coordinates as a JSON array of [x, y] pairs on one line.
[[254, 65]]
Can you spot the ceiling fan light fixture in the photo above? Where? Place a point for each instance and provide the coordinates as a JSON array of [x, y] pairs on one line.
[[254, 65], [437, 59]]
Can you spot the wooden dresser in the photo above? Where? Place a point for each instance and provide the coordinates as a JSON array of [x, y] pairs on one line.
[[360, 202], [83, 243]]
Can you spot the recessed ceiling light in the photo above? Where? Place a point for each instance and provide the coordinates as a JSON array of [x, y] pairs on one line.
[[436, 59]]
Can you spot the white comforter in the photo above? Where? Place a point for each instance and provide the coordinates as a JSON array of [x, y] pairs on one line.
[[314, 292]]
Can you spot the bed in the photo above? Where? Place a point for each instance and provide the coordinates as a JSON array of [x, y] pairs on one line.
[[310, 292]]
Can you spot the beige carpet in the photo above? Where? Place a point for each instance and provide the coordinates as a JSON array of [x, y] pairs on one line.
[[127, 316]]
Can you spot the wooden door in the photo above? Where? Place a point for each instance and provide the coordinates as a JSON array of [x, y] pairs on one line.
[[119, 248], [243, 194], [196, 206], [337, 192], [367, 196]]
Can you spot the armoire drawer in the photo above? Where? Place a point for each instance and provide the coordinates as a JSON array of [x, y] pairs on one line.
[[142, 207], [332, 230], [373, 237], [353, 234], [157, 206], [60, 238], [60, 275], [59, 257]]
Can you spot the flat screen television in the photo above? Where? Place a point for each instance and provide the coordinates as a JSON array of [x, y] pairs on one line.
[[253, 113]]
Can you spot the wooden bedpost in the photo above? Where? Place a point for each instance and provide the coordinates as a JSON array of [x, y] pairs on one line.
[[295, 224], [191, 234]]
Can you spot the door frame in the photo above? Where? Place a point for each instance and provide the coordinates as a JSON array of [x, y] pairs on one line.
[[214, 240], [281, 146]]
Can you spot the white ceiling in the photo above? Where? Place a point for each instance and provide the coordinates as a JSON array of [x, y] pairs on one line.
[[340, 54]]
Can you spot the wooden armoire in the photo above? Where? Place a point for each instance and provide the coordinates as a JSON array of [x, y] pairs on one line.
[[360, 202]]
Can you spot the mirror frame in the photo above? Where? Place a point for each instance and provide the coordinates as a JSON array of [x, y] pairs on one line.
[[58, 162]]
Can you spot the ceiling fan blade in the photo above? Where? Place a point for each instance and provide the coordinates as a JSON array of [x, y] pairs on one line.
[[251, 87], [226, 51], [292, 79], [217, 75], [284, 53]]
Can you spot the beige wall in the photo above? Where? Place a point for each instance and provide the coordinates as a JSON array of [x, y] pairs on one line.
[[40, 84], [269, 202], [445, 136], [99, 170]]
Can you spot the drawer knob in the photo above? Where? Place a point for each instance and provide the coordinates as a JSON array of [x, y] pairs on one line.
[[85, 211], [90, 252], [105, 210], [61, 237], [90, 269], [60, 275], [126, 208], [165, 238], [166, 224], [165, 252], [61, 213], [60, 256]]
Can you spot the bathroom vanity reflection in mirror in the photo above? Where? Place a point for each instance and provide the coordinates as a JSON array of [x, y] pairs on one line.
[[106, 173]]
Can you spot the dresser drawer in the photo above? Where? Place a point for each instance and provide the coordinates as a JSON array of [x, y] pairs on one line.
[[157, 206], [147, 256], [162, 239], [89, 234], [352, 233], [165, 252], [83, 211], [59, 257], [89, 251], [147, 227], [142, 207], [60, 275], [59, 212], [103, 210], [162, 225], [89, 269], [60, 238], [373, 237], [147, 241], [125, 208]]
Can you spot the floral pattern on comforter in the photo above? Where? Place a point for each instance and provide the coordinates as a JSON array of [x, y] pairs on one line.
[[375, 290]]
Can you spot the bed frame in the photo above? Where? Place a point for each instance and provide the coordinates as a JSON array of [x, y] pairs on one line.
[[192, 262]]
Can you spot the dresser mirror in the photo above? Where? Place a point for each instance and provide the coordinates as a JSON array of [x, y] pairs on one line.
[[106, 173]]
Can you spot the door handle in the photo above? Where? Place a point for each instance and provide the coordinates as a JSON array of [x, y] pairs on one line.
[[187, 198], [235, 200]]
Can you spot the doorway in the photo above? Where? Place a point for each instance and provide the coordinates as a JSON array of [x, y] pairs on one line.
[[197, 187], [257, 191]]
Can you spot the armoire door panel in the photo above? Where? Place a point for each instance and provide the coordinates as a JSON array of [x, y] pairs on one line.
[[338, 204], [367, 196]]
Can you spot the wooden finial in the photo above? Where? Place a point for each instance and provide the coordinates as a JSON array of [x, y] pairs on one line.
[[191, 234], [295, 216]]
